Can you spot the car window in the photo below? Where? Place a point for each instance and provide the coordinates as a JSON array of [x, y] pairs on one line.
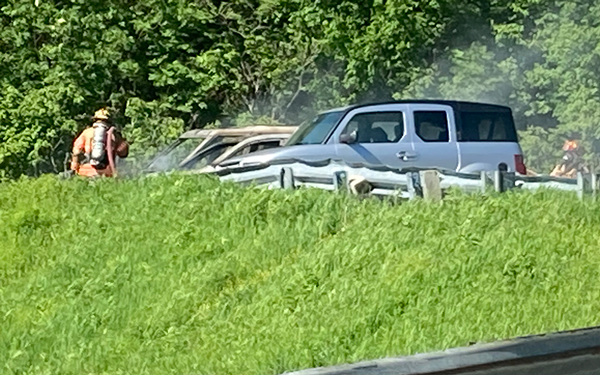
[[487, 127], [256, 147], [208, 156], [376, 127], [179, 151], [265, 145], [432, 126]]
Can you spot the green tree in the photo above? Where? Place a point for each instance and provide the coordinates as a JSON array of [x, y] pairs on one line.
[[170, 65]]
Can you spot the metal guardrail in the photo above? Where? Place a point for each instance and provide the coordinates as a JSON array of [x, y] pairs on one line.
[[562, 353], [384, 181]]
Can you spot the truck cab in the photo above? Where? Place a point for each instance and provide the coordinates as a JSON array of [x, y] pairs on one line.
[[460, 136]]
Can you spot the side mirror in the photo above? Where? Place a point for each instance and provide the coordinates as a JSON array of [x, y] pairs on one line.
[[348, 138]]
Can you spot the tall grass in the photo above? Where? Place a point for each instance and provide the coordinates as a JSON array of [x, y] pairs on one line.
[[185, 275]]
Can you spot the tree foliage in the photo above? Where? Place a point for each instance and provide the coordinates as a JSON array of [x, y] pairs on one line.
[[543, 62], [165, 66]]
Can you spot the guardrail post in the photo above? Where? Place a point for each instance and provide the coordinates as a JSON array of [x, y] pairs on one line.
[[286, 178], [340, 181], [499, 181], [509, 180], [580, 185], [485, 182], [414, 185], [503, 179], [431, 185]]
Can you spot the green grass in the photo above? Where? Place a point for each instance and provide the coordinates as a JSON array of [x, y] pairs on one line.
[[184, 275]]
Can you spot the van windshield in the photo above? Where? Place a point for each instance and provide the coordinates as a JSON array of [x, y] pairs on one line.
[[316, 131]]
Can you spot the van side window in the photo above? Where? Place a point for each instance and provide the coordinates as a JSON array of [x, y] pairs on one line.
[[487, 127], [432, 126], [376, 127]]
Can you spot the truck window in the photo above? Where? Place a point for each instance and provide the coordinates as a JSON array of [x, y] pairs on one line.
[[376, 127], [317, 131], [487, 127], [432, 126]]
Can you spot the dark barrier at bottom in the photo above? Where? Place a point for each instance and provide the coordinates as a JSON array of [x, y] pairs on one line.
[[563, 353]]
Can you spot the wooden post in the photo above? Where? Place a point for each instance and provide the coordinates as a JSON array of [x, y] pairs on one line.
[[286, 178], [431, 185], [580, 185], [340, 181], [359, 185], [594, 183]]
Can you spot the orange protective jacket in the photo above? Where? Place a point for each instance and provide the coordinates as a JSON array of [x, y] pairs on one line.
[[82, 146]]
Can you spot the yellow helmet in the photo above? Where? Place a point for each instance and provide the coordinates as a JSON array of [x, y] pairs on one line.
[[101, 114]]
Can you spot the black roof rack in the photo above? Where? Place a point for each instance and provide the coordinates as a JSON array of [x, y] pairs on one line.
[[458, 105]]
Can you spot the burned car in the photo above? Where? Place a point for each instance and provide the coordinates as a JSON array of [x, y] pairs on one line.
[[201, 164], [201, 147]]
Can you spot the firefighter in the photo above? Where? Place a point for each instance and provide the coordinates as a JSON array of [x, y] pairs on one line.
[[572, 161], [94, 150]]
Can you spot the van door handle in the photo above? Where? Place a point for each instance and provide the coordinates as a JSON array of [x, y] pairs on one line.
[[405, 156]]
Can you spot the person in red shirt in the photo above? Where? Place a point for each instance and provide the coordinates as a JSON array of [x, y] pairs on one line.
[[572, 161]]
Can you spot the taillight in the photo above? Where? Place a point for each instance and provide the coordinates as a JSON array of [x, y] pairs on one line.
[[520, 165]]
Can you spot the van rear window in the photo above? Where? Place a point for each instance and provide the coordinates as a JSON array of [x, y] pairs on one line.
[[487, 127]]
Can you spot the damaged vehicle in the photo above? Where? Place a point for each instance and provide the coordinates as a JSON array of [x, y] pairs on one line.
[[201, 147], [203, 164]]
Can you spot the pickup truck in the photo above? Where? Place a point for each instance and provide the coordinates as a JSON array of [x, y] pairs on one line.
[[452, 135]]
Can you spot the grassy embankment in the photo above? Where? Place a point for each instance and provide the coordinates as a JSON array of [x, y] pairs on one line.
[[176, 275]]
